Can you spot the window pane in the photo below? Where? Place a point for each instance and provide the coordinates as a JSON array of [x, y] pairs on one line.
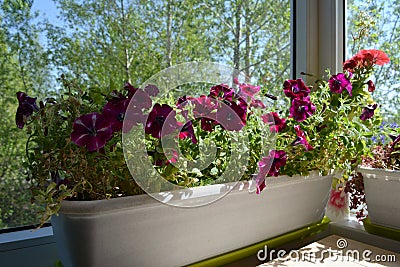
[[102, 43], [374, 24]]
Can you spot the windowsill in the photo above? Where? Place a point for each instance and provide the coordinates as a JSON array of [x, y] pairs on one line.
[[14, 240]]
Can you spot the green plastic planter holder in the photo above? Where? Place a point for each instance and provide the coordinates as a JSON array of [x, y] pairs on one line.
[[271, 243], [381, 230]]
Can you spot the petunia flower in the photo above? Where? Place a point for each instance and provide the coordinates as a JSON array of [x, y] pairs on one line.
[[248, 90], [371, 86], [368, 112], [339, 82], [232, 117], [276, 124], [151, 90], [222, 92], [351, 64], [26, 106], [295, 88], [366, 59], [269, 166], [373, 56], [188, 131], [301, 108], [92, 130], [115, 110], [256, 103], [301, 139], [157, 124], [204, 106]]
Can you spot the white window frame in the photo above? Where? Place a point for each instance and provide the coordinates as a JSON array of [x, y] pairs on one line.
[[318, 39]]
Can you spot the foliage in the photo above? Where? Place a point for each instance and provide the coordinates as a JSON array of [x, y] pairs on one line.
[[382, 156], [333, 121], [23, 66], [75, 149], [105, 43], [374, 24]]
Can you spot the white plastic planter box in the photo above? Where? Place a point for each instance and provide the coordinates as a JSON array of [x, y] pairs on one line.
[[139, 231], [382, 192]]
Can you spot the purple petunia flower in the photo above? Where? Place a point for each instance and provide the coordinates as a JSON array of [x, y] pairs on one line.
[[301, 139], [188, 131], [295, 88], [248, 90], [339, 82], [371, 86], [26, 106], [204, 106], [301, 108], [151, 90], [115, 110], [161, 121], [276, 124], [256, 103], [222, 92], [269, 166], [92, 130], [368, 112], [232, 117]]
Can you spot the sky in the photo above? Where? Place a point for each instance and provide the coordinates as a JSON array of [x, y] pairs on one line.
[[47, 8]]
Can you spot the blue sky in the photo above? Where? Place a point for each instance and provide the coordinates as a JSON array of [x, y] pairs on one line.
[[47, 8]]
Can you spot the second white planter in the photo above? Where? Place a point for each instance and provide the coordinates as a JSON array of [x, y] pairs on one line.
[[382, 191], [139, 231]]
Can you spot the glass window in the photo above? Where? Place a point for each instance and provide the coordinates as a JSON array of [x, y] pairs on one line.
[[102, 43], [374, 24]]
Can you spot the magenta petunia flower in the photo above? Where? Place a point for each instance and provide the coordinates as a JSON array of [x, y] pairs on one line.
[[188, 131], [301, 108], [248, 90], [115, 110], [295, 88], [276, 124], [207, 124], [232, 117], [151, 90], [256, 103], [131, 90], [368, 112], [26, 106], [204, 106], [301, 139], [157, 123], [269, 166], [92, 130], [222, 92], [371, 86], [340, 82]]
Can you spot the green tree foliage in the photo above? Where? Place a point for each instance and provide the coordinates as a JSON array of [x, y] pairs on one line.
[[23, 67], [375, 24], [106, 42]]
